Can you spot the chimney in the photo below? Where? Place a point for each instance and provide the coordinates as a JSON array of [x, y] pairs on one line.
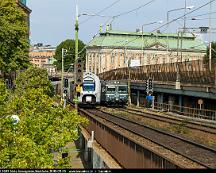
[[137, 30], [110, 27], [107, 27], [101, 28]]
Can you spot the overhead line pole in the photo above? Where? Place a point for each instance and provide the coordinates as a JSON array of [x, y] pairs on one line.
[[76, 53], [210, 30]]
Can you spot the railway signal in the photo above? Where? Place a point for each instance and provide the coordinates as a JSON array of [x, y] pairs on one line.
[[66, 83], [79, 71], [149, 86]]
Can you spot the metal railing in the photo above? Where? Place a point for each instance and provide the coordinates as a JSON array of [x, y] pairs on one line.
[[192, 72], [187, 111]]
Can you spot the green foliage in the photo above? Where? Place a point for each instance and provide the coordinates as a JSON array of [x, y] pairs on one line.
[[3, 96], [43, 128], [213, 51], [13, 37], [34, 77], [69, 57], [180, 128]]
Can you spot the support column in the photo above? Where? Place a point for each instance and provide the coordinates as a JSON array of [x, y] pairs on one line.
[[95, 64], [170, 102], [138, 98], [87, 63], [181, 109], [160, 98], [86, 151]]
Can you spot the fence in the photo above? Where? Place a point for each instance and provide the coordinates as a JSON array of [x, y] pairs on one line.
[[192, 72], [187, 111]]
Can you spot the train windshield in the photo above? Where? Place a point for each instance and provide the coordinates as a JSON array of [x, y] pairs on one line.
[[122, 89], [88, 86], [110, 89]]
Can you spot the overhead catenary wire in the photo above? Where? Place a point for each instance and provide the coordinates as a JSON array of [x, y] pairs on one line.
[[158, 27], [174, 20], [183, 15], [99, 12], [116, 16], [127, 12], [201, 15]]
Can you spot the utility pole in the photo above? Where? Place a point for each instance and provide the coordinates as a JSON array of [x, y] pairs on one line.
[[76, 54], [210, 44], [185, 16], [76, 36], [129, 75], [129, 83], [62, 73]]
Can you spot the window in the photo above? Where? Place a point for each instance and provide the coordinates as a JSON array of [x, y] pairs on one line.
[[110, 89], [112, 59], [88, 86], [122, 89]]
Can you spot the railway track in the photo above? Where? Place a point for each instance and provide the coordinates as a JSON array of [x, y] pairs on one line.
[[211, 129], [200, 154]]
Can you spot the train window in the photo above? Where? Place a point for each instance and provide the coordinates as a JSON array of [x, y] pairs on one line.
[[122, 89], [88, 86], [110, 89]]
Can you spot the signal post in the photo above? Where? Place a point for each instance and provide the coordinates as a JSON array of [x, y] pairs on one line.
[[149, 91], [78, 76]]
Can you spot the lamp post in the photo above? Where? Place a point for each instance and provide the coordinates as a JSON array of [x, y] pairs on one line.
[[62, 72], [177, 9], [210, 44], [129, 74], [76, 45], [77, 27]]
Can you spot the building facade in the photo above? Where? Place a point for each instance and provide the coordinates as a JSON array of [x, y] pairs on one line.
[[115, 49], [42, 56], [22, 4]]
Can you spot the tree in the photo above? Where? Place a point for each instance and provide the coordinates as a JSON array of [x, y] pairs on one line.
[[13, 37], [70, 55], [34, 77], [44, 128], [213, 51], [3, 97]]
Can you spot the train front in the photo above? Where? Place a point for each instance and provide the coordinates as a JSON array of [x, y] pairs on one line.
[[90, 90]]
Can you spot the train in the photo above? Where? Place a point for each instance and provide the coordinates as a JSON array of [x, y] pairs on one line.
[[90, 90], [114, 93], [94, 91]]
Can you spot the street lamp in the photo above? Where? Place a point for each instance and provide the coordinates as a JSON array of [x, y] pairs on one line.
[[129, 75], [93, 14], [177, 9], [210, 30], [62, 72]]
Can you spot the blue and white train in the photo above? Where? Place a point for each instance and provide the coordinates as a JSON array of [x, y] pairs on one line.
[[90, 93], [95, 92]]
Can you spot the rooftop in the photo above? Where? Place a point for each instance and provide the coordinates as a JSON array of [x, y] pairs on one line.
[[139, 40]]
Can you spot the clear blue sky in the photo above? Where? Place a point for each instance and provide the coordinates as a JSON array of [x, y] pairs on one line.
[[52, 21]]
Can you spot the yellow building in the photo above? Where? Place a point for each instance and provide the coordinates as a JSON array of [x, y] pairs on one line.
[[43, 57]]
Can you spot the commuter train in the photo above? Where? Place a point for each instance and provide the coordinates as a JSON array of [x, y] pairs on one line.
[[95, 92], [114, 93], [90, 90]]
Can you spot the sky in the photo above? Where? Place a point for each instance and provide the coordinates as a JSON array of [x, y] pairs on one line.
[[52, 21]]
